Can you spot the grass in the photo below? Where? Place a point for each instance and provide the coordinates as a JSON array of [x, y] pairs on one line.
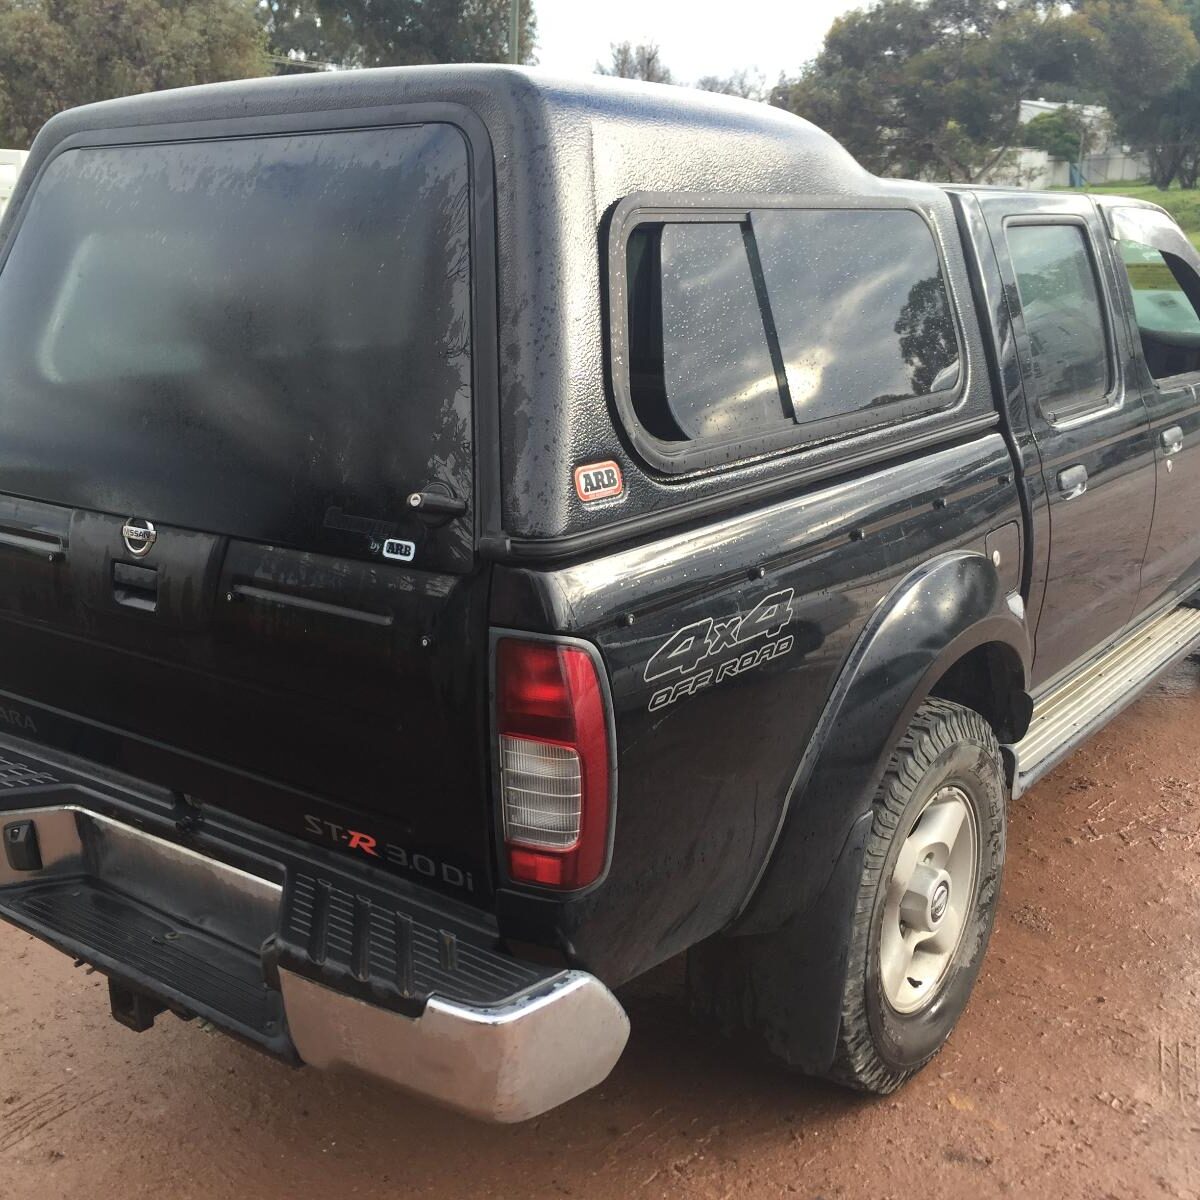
[[1183, 205]]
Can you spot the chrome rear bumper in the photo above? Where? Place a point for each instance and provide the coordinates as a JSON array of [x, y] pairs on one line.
[[498, 1062]]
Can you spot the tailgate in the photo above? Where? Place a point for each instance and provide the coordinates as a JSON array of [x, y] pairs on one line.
[[225, 365]]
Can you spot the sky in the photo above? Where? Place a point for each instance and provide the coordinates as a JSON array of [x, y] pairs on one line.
[[695, 37]]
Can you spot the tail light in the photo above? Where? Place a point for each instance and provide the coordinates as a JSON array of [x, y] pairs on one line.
[[552, 724]]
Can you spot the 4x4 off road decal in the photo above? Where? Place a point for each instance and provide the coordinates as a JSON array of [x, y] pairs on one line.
[[598, 481], [709, 651]]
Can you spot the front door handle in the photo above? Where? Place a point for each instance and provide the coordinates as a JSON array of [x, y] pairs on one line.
[[1171, 440], [1072, 481]]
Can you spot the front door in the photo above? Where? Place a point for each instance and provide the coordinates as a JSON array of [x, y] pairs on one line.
[[1162, 296], [1092, 432]]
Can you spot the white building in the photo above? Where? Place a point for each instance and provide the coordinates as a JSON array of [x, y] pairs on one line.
[[11, 162], [1104, 159]]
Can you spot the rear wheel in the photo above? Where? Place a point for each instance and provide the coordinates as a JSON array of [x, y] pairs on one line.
[[927, 897]]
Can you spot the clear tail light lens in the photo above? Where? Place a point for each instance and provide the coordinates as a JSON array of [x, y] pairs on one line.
[[543, 793], [552, 722]]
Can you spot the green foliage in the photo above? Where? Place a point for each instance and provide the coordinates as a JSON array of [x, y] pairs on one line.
[[1141, 48], [1167, 129], [932, 88], [387, 33], [1060, 133], [294, 31], [1164, 124], [55, 54], [642, 61]]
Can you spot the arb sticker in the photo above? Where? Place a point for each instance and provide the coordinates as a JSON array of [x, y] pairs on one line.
[[395, 548], [598, 481]]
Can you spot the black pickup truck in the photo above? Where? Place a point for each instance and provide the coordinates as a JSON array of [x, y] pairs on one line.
[[467, 537]]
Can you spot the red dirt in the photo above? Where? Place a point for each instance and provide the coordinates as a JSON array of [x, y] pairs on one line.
[[1075, 1072]]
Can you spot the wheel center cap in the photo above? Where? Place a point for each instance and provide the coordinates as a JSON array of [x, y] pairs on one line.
[[939, 901], [926, 900]]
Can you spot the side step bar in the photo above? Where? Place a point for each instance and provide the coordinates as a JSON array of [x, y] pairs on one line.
[[1090, 698]]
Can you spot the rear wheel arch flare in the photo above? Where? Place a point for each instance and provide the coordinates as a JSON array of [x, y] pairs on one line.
[[948, 610], [990, 679]]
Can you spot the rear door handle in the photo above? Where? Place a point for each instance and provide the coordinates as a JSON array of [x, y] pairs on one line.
[[1072, 481], [1171, 439]]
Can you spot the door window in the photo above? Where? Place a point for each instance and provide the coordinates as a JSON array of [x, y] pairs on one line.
[[1064, 318], [1163, 287]]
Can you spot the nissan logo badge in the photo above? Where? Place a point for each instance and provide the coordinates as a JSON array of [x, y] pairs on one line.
[[138, 536]]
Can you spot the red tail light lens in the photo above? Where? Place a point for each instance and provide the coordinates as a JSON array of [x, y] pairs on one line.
[[552, 722]]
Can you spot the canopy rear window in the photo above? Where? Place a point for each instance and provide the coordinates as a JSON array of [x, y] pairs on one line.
[[267, 337]]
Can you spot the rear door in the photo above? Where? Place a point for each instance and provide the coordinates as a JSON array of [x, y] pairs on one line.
[[1092, 431], [225, 365]]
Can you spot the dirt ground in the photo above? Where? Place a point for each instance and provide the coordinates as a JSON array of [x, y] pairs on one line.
[[1075, 1072]]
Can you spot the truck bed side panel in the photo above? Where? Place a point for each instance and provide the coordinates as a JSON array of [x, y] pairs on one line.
[[709, 740]]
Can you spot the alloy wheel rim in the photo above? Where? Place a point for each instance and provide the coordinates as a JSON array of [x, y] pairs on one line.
[[930, 896]]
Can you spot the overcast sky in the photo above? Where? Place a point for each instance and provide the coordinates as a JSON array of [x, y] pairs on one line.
[[696, 38]]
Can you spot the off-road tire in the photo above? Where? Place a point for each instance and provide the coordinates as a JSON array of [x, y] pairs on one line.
[[878, 1047]]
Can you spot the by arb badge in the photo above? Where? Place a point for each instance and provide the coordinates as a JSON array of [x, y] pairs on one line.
[[598, 481]]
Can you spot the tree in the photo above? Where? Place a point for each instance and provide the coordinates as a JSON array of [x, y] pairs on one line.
[[1060, 132], [1159, 117], [389, 33], [642, 61], [749, 85], [932, 88], [1167, 131], [1142, 48], [294, 33], [55, 54]]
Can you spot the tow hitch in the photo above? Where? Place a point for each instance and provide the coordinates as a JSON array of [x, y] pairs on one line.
[[135, 1010]]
